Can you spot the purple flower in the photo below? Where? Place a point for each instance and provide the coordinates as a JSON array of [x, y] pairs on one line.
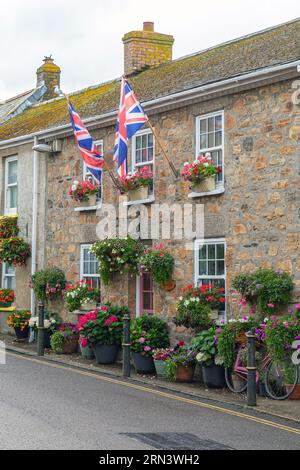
[[258, 286]]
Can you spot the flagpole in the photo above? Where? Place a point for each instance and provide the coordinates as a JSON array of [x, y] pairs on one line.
[[175, 172], [105, 163]]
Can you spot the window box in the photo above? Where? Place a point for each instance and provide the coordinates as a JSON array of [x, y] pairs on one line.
[[138, 194], [218, 190], [206, 185], [149, 200]]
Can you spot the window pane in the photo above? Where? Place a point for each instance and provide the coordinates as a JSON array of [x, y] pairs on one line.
[[144, 141], [211, 140], [203, 141], [146, 282], [138, 142], [8, 269], [220, 268], [203, 126], [202, 268], [211, 268], [138, 156], [218, 137], [218, 122], [211, 252], [211, 124], [202, 252], [147, 300], [150, 154], [150, 140], [12, 197], [220, 251], [12, 172]]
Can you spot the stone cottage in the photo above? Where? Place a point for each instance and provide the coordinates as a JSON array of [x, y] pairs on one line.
[[236, 101]]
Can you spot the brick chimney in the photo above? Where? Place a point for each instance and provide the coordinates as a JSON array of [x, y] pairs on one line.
[[49, 73], [146, 48]]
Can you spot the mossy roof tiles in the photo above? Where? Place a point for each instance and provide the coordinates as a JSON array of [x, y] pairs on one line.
[[271, 47]]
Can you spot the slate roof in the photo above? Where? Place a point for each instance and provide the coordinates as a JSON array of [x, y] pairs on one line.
[[278, 45]]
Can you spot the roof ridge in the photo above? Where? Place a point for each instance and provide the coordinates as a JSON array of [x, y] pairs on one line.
[[231, 41], [8, 100]]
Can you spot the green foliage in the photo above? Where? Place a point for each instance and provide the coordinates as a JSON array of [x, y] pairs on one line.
[[48, 283], [117, 255], [159, 262], [57, 341], [147, 334], [266, 289], [14, 251], [228, 336], [204, 343], [194, 315], [19, 319], [280, 334], [104, 325]]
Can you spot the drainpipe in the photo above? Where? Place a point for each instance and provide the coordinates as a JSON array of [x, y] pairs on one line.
[[35, 177]]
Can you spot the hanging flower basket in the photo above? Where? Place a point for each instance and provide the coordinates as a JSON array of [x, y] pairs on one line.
[[160, 263], [14, 251], [8, 226]]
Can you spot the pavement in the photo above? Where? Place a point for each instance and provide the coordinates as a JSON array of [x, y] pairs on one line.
[[49, 405], [289, 409]]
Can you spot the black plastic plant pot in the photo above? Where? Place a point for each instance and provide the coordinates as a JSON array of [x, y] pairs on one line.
[[214, 376], [47, 337], [142, 364], [106, 353], [22, 334]]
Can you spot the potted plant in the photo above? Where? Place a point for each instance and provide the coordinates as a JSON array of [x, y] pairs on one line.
[[19, 320], [147, 334], [201, 174], [205, 345], [160, 356], [280, 333], [180, 366], [103, 330], [48, 284], [7, 297], [81, 295], [193, 310], [84, 192], [117, 255], [8, 226], [265, 289], [136, 184], [65, 339], [51, 322], [14, 251], [159, 262]]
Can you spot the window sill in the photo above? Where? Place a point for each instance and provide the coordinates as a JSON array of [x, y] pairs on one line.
[[216, 191], [149, 200], [87, 208]]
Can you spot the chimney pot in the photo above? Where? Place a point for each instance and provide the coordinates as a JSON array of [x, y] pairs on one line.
[[148, 26], [49, 75]]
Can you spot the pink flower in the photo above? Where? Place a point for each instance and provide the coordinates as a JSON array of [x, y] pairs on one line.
[[147, 348], [297, 306], [270, 305], [84, 342], [110, 320], [142, 340]]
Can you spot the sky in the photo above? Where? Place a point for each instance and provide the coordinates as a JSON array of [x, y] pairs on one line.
[[84, 36]]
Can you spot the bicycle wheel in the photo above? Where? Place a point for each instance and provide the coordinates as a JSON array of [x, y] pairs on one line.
[[281, 379], [237, 383]]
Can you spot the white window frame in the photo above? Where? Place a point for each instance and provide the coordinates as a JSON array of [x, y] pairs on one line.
[[134, 165], [197, 277], [4, 275], [81, 271], [219, 184], [11, 210]]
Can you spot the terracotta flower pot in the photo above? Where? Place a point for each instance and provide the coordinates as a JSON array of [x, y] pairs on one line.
[[185, 374], [168, 286], [296, 393], [70, 345], [206, 185]]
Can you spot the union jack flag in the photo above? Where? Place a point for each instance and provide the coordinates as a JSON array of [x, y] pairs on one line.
[[90, 153], [131, 118]]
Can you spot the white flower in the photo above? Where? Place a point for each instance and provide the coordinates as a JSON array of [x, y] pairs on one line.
[[47, 323], [205, 164], [180, 298], [73, 187]]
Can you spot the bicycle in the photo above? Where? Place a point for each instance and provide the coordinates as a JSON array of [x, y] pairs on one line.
[[280, 379]]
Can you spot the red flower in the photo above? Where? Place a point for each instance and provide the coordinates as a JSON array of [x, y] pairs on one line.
[[181, 343]]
